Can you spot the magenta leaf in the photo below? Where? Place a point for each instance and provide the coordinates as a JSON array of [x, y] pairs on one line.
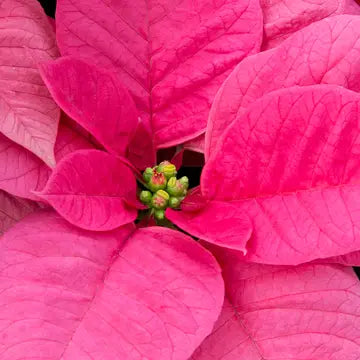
[[304, 59], [92, 189], [291, 163], [13, 209], [284, 17], [171, 56], [95, 99], [28, 115], [277, 312], [220, 223], [72, 294]]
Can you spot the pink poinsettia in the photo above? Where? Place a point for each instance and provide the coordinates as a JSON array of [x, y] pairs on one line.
[[104, 289]]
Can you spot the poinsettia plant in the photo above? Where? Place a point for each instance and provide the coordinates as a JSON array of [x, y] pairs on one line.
[[255, 262]]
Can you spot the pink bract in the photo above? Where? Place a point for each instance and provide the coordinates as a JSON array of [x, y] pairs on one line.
[[303, 205], [151, 293], [93, 190], [172, 74], [278, 312], [28, 115], [325, 52], [284, 17]]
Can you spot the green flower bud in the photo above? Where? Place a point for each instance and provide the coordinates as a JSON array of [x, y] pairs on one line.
[[175, 187], [157, 181], [145, 197], [167, 168], [147, 174], [174, 202], [185, 182], [159, 214], [160, 200]]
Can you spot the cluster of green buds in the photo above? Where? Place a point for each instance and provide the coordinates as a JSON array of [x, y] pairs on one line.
[[164, 189]]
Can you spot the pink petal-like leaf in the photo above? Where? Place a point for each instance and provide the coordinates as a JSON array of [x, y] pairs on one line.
[[72, 294], [172, 56], [218, 222], [284, 17], [21, 172], [325, 52], [13, 209], [92, 189], [277, 312], [292, 164], [94, 98], [28, 115]]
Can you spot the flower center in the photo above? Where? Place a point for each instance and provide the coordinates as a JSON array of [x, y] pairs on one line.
[[164, 190]]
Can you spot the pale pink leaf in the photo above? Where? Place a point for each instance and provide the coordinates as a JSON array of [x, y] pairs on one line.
[[95, 99], [72, 294], [13, 209], [21, 172], [292, 164], [220, 223], [171, 55], [272, 312], [283, 18], [92, 189], [28, 115], [325, 52]]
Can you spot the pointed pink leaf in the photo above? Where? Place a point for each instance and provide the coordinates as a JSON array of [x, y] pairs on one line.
[[325, 52], [284, 17], [218, 222], [292, 164], [21, 172], [92, 189], [28, 115], [171, 56], [305, 312], [72, 294], [94, 98], [13, 209]]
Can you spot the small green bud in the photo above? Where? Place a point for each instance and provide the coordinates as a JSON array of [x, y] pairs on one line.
[[175, 187], [157, 181], [160, 200], [159, 214], [147, 174], [167, 168], [174, 202], [185, 182], [145, 197]]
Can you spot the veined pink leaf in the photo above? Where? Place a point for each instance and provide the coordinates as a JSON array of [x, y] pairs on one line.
[[92, 189], [94, 98], [277, 312], [283, 18], [350, 259], [13, 209], [292, 164], [218, 222], [72, 294], [171, 55], [28, 115], [21, 172], [325, 52]]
